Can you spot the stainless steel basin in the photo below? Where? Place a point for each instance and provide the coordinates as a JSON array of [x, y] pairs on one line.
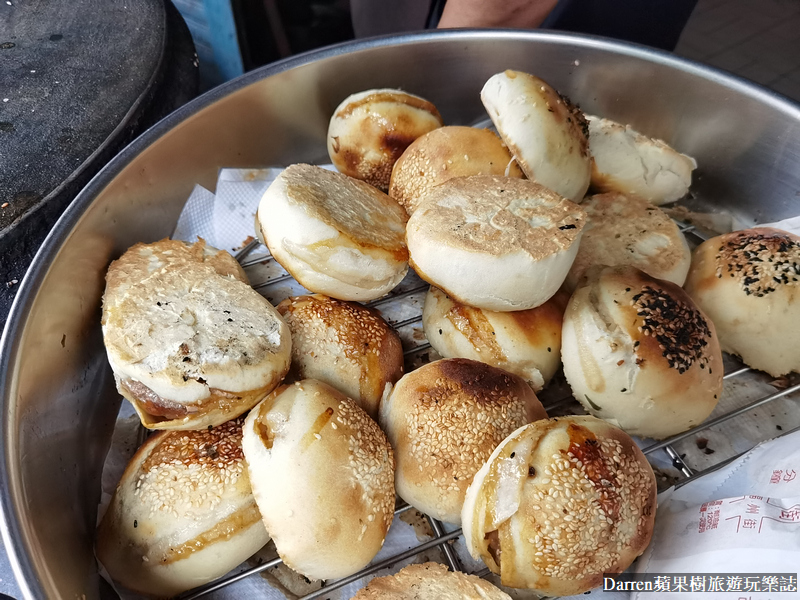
[[59, 403]]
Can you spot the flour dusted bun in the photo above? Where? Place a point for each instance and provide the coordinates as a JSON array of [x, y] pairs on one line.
[[344, 344], [370, 130], [336, 235], [559, 503], [430, 581], [443, 421], [626, 230], [638, 353], [182, 514], [524, 342], [494, 242], [748, 282], [191, 344], [322, 474], [544, 131], [624, 160], [445, 153]]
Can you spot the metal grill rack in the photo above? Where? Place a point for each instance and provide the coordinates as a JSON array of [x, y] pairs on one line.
[[409, 296]]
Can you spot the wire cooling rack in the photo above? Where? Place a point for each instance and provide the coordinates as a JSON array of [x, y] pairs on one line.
[[403, 310]]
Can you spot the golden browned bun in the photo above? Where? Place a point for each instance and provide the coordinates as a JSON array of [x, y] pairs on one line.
[[370, 130], [545, 132], [748, 282], [336, 235], [322, 474], [494, 242], [345, 345], [626, 230], [624, 160], [443, 421], [559, 503], [191, 344], [445, 153], [430, 581], [183, 513], [638, 353], [524, 342]]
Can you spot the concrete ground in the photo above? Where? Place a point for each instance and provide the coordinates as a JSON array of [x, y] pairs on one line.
[[755, 39]]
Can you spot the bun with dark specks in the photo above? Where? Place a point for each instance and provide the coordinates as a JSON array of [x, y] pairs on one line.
[[638, 353], [748, 282]]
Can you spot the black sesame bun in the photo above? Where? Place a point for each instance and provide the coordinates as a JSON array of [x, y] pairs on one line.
[[322, 474], [638, 353], [344, 344], [443, 421], [559, 503], [183, 513], [749, 284]]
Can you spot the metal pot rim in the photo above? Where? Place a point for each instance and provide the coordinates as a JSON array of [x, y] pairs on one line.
[[18, 552]]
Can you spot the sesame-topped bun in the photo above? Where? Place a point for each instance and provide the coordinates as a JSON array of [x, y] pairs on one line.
[[624, 160], [183, 513], [370, 130], [748, 282], [524, 342], [322, 474], [191, 344], [638, 353], [430, 581], [559, 503], [494, 242], [544, 131], [336, 235], [443, 421], [626, 230], [445, 153], [345, 345]]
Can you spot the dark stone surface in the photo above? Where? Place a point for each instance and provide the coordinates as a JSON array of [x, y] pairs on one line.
[[82, 79]]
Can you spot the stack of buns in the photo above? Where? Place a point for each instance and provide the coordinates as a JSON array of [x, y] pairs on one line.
[[494, 223]]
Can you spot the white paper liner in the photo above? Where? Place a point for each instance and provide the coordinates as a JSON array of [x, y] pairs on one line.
[[744, 518]]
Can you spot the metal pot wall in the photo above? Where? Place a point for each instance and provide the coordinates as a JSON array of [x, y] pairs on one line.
[[59, 402]]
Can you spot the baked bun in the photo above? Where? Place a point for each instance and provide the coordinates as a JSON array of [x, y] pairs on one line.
[[638, 353], [524, 342], [748, 282], [544, 131], [445, 153], [626, 230], [191, 344], [182, 514], [443, 421], [345, 345], [430, 581], [322, 474], [370, 130], [494, 242], [334, 234], [559, 503], [624, 160]]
